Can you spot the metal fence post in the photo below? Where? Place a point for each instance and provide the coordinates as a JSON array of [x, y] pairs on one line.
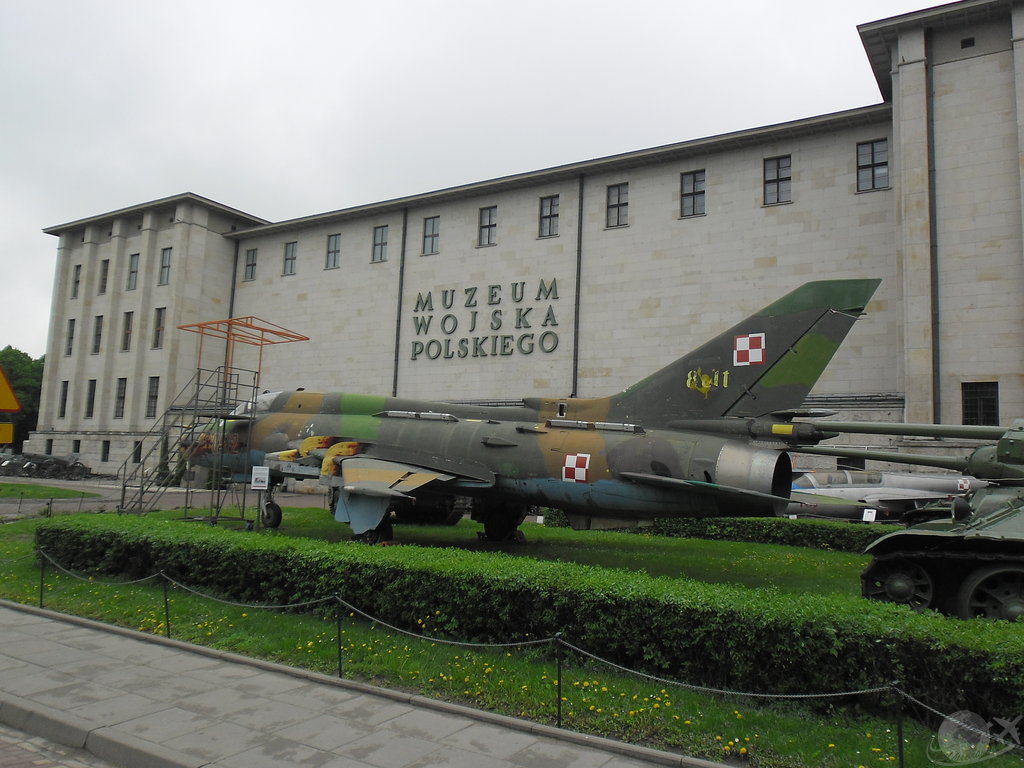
[[167, 607], [558, 680]]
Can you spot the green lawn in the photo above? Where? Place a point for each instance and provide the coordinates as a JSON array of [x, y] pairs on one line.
[[595, 699], [31, 491]]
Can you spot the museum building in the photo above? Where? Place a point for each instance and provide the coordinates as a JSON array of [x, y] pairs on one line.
[[581, 279]]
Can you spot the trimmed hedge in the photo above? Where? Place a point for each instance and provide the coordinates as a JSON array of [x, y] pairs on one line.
[[754, 640], [841, 536]]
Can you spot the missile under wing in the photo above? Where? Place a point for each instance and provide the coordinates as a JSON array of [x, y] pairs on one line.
[[706, 435]]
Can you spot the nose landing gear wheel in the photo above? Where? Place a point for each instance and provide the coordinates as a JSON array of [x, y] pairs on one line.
[[271, 515], [993, 592], [899, 581]]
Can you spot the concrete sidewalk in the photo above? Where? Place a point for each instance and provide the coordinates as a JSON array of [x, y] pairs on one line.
[[144, 701]]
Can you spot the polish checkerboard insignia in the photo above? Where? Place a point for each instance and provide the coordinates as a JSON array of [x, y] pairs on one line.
[[748, 349], [963, 484], [575, 468]]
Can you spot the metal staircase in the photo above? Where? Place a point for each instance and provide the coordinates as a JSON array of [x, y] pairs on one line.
[[161, 457]]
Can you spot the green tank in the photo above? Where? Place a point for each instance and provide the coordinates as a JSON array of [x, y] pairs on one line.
[[968, 560]]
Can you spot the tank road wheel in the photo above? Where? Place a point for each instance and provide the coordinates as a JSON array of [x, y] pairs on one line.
[[271, 515], [899, 581], [994, 592]]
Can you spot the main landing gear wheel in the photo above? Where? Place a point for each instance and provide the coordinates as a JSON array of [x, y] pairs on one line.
[[382, 533], [899, 581], [271, 515], [502, 522], [993, 592]]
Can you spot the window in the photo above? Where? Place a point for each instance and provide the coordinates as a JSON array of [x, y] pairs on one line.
[[133, 272], [62, 404], [333, 260], [76, 446], [152, 396], [164, 276], [692, 194], [105, 451], [548, 217], [431, 234], [76, 279], [380, 244], [97, 333], [778, 180], [488, 226], [289, 259], [49, 446], [250, 265], [90, 398], [159, 315], [873, 165], [137, 452], [119, 398], [126, 331], [104, 274], [618, 205], [69, 341], [980, 402]]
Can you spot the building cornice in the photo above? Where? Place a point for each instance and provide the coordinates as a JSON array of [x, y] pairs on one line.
[[611, 163], [162, 203], [879, 37]]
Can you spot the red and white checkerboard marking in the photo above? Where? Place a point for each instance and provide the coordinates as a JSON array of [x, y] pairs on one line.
[[575, 468], [748, 349], [963, 484]]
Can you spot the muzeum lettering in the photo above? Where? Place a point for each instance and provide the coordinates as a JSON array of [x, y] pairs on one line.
[[485, 321]]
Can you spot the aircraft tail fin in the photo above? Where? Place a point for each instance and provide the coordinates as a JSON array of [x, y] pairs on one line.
[[764, 364]]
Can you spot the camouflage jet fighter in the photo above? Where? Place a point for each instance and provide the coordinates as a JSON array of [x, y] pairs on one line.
[[706, 435]]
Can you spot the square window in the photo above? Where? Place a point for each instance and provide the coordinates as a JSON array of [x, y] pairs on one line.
[[548, 217], [873, 165], [980, 402], [380, 244], [333, 258], [692, 194], [488, 226], [431, 235], [618, 206], [778, 180]]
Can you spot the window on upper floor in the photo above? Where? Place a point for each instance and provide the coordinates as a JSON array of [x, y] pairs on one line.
[[548, 226], [980, 402], [249, 273], [873, 165], [617, 214], [778, 180], [97, 334], [119, 398], [289, 258], [159, 316], [431, 235], [90, 398], [133, 272], [126, 331], [62, 402], [380, 244], [333, 258], [164, 275], [488, 231], [76, 280], [691, 194], [104, 274], [69, 338], [152, 397]]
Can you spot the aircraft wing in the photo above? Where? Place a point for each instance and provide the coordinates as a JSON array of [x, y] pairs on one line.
[[377, 477], [698, 486]]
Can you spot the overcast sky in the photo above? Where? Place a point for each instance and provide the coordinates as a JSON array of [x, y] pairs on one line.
[[291, 109]]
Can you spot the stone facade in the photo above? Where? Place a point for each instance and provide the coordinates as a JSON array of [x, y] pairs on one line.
[[477, 298]]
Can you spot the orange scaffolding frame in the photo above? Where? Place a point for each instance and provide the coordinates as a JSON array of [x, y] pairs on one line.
[[241, 330]]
